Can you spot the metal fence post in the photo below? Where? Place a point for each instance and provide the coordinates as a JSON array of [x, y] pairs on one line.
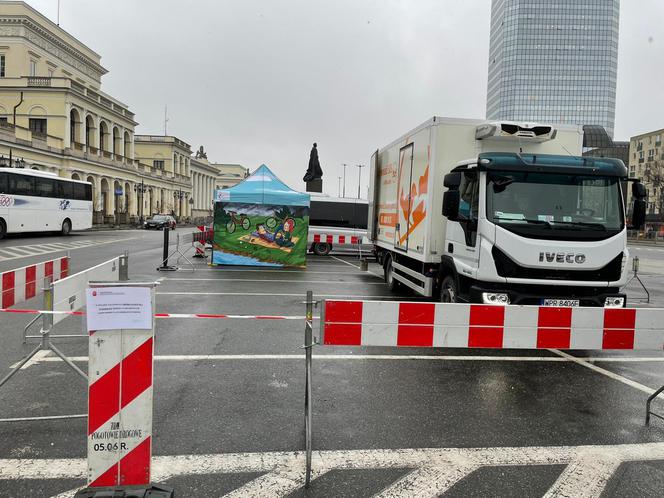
[[123, 273], [164, 260], [308, 345]]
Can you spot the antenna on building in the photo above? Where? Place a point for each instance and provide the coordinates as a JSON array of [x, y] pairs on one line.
[[165, 120], [58, 12]]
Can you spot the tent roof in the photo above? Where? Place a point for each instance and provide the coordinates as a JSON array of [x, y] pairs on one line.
[[262, 187]]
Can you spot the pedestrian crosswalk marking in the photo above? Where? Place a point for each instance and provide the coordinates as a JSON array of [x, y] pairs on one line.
[[16, 252], [433, 470]]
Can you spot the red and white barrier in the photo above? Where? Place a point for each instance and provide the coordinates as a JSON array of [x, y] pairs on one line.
[[380, 323], [24, 283], [336, 239], [120, 376], [200, 239]]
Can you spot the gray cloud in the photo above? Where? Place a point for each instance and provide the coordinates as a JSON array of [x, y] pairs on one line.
[[259, 81]]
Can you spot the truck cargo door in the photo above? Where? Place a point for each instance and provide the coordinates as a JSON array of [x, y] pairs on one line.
[[404, 199]]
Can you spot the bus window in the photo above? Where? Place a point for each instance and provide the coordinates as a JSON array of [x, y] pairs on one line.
[[21, 185], [79, 192], [66, 190], [88, 192], [3, 183], [45, 187]]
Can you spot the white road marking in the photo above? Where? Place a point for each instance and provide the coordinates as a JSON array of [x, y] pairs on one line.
[[584, 477], [36, 359], [428, 481], [603, 371], [263, 280], [286, 465], [354, 266], [345, 262], [45, 357], [274, 294], [17, 252], [279, 482]]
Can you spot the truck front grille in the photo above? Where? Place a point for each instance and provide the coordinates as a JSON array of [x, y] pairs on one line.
[[506, 267]]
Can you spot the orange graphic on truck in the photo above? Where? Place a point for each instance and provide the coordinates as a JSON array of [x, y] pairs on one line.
[[413, 206]]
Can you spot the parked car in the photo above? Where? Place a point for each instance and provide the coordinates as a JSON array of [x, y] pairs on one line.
[[159, 221]]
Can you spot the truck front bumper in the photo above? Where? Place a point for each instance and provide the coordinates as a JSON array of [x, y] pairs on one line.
[[534, 294]]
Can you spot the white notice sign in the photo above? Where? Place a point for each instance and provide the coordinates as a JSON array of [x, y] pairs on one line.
[[111, 308]]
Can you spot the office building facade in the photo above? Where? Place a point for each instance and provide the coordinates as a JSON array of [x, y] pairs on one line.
[[553, 61]]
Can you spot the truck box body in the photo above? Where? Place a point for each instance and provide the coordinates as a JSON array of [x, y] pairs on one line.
[[417, 162]]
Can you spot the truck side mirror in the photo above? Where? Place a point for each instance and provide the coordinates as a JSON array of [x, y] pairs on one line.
[[451, 200], [638, 212], [638, 190], [452, 180]]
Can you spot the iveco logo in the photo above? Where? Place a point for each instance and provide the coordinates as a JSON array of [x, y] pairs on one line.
[[562, 257]]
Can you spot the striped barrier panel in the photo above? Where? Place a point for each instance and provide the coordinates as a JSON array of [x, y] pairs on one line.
[[409, 324], [24, 283], [336, 239], [120, 373], [381, 323]]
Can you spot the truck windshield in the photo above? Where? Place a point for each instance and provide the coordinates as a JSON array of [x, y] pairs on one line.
[[549, 205]]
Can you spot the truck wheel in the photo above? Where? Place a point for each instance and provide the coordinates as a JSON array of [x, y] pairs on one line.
[[322, 248], [391, 282], [448, 290]]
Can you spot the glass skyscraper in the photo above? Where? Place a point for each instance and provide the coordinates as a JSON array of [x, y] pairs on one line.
[[554, 61]]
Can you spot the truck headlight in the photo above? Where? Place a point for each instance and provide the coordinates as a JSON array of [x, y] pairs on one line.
[[614, 302], [495, 298]]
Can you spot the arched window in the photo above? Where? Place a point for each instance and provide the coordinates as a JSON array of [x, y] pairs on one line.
[[89, 131], [103, 136], [74, 127], [127, 144], [117, 147]]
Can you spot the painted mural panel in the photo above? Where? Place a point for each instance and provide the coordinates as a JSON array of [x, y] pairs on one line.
[[260, 234]]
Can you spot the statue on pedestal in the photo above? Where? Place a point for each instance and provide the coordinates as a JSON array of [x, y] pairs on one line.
[[314, 171]]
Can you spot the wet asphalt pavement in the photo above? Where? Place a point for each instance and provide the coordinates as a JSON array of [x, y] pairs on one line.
[[408, 422]]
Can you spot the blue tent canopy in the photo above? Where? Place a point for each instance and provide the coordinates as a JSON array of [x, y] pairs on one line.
[[262, 187]]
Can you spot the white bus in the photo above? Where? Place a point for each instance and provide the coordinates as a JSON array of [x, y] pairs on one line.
[[337, 216], [36, 201]]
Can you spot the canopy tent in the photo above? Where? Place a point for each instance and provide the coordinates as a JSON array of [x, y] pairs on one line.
[[260, 222], [262, 187]]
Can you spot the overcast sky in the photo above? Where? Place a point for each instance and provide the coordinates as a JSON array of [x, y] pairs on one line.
[[259, 81]]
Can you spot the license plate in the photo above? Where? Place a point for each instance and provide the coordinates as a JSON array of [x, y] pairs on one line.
[[561, 303]]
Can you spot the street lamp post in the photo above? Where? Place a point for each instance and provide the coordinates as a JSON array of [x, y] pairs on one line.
[[179, 195], [11, 162], [344, 165], [140, 190], [359, 178], [339, 190]]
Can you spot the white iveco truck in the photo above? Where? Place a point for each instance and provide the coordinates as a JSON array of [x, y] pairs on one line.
[[524, 220]]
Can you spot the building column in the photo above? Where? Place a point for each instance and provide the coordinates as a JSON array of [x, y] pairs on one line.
[[199, 192], [196, 178]]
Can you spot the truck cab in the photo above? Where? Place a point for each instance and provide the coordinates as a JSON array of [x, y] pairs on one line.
[[541, 229]]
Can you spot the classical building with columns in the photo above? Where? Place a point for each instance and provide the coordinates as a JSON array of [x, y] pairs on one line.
[[230, 174], [55, 117], [203, 178], [169, 159]]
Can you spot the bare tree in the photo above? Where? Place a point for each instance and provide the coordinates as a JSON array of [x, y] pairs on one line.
[[654, 178]]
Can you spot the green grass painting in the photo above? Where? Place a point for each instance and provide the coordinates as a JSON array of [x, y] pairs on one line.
[[236, 242]]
